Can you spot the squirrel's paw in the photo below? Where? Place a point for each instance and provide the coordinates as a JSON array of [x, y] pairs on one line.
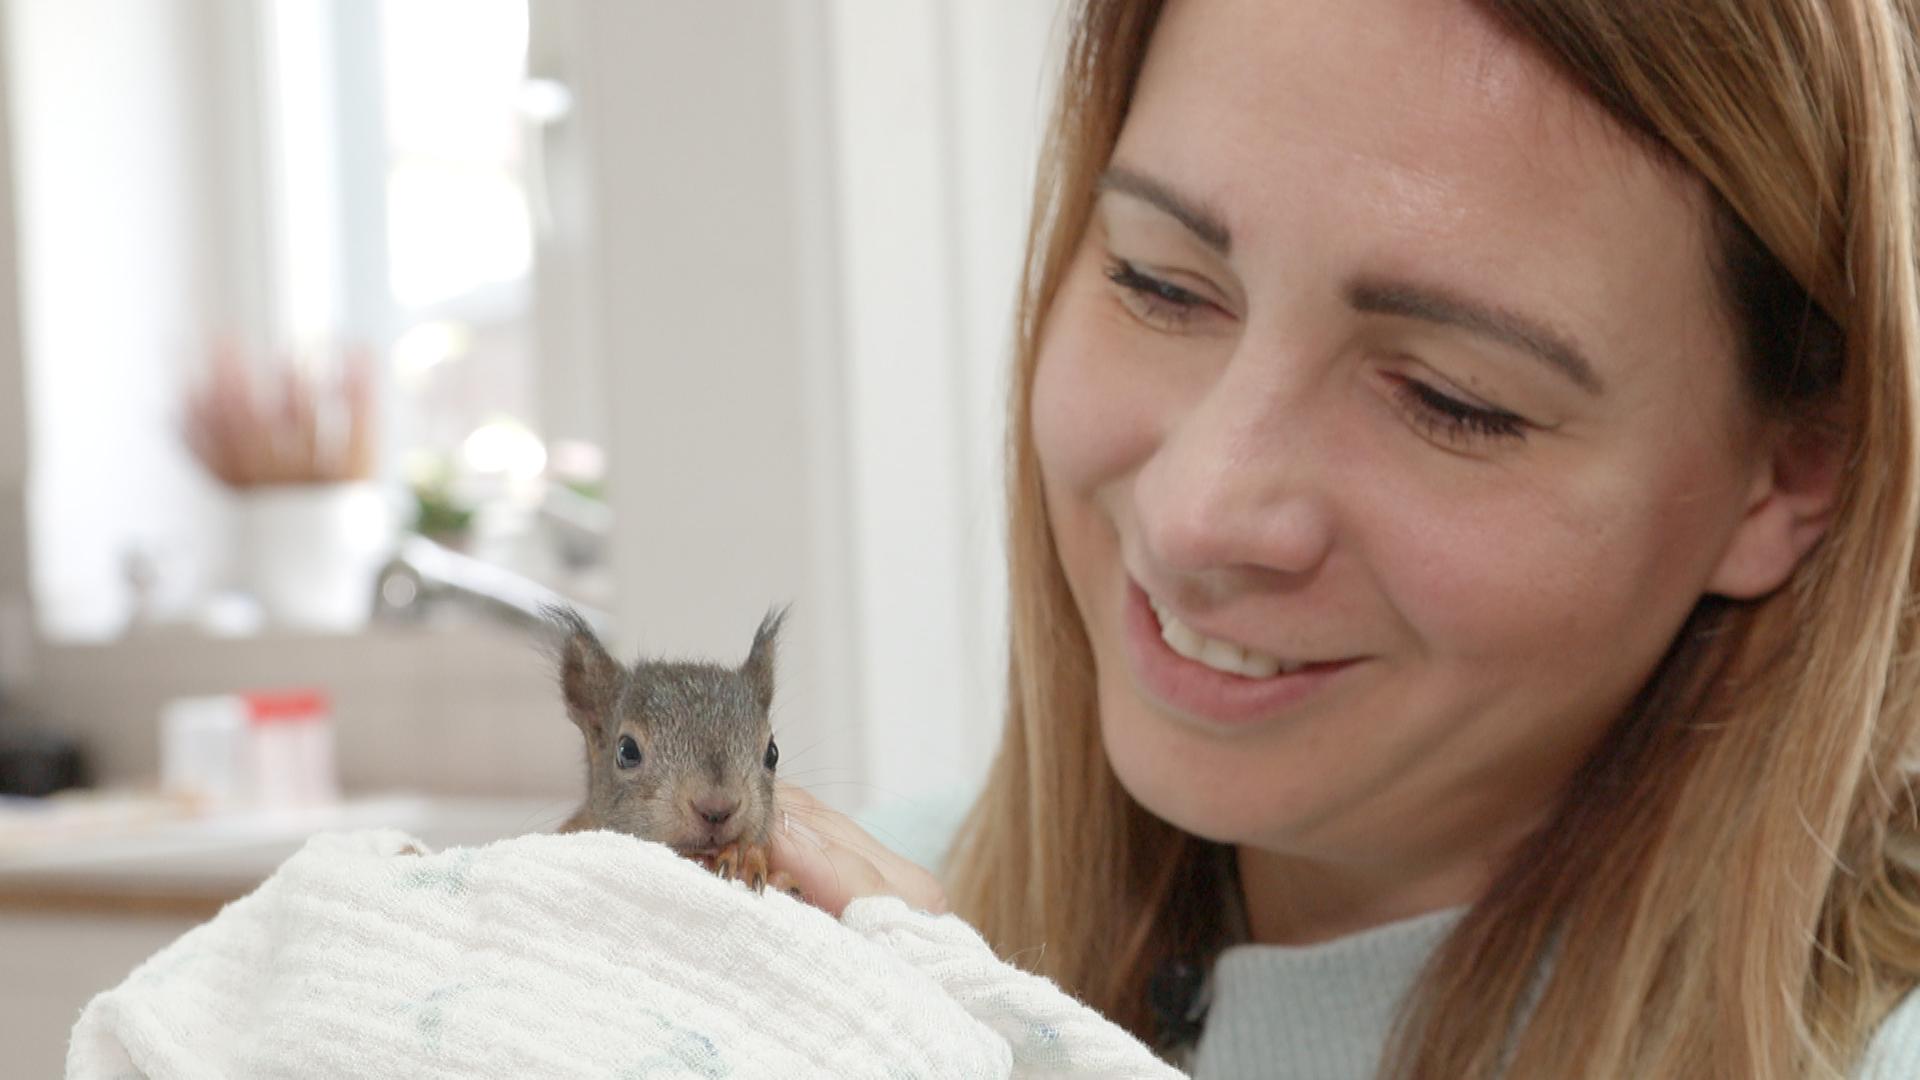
[[743, 862], [748, 863]]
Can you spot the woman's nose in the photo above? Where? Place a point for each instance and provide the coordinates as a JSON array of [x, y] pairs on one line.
[[1239, 482]]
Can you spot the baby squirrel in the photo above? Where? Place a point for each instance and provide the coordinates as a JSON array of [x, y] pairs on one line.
[[677, 752]]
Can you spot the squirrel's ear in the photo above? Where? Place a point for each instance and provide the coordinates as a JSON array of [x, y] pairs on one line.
[[589, 679], [758, 668]]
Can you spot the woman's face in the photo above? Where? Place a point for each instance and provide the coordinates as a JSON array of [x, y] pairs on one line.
[[1390, 428]]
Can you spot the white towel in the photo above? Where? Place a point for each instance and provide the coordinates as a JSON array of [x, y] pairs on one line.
[[590, 955]]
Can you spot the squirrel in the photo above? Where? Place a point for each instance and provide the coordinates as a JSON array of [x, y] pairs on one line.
[[681, 753]]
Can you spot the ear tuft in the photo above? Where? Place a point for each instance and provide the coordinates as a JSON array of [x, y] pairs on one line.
[[590, 680], [758, 668]]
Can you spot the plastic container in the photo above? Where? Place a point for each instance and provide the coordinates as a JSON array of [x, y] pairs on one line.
[[262, 750]]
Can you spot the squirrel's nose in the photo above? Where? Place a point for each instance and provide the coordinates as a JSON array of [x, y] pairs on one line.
[[715, 809]]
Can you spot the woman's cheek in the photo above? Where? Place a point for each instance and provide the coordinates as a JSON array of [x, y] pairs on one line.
[[1519, 583], [1093, 420]]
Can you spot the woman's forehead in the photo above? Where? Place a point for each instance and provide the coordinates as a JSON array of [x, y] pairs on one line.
[[1419, 93], [1421, 139]]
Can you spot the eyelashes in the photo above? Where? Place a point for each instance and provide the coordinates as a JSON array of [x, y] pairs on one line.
[[1453, 419], [1157, 303], [1162, 305]]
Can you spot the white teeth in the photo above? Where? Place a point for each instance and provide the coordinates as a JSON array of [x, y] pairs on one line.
[[1218, 655], [1181, 639], [1264, 667]]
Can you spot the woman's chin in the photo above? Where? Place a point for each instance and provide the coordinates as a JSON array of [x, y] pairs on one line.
[[1226, 793]]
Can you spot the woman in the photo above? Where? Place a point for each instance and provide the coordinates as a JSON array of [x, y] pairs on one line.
[[1463, 501]]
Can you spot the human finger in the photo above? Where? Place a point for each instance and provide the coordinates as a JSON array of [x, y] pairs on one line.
[[833, 861]]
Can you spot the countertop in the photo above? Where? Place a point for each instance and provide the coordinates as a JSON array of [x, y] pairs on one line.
[[147, 855]]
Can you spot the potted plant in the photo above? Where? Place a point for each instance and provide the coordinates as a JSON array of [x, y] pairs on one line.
[[294, 444]]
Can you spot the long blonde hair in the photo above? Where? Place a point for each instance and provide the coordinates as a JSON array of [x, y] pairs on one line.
[[1728, 888]]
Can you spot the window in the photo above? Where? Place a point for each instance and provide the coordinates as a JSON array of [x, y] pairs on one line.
[[314, 177]]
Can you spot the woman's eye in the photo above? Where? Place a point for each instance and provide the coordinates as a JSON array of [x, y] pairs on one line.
[[1155, 302], [626, 753], [1452, 420], [773, 754]]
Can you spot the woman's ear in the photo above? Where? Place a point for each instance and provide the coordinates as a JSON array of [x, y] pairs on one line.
[[1791, 504]]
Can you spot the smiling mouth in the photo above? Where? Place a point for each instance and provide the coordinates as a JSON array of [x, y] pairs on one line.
[[1222, 685], [1222, 656]]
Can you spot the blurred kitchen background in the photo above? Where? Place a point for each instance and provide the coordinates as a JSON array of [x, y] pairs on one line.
[[336, 335]]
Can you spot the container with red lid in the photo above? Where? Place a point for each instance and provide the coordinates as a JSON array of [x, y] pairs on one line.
[[268, 749]]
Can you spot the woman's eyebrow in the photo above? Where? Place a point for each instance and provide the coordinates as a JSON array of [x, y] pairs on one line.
[[1199, 220], [1378, 297], [1506, 327]]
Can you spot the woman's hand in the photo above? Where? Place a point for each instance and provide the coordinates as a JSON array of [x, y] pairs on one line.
[[832, 861]]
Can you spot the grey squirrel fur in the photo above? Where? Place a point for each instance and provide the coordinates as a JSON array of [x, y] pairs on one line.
[[703, 784]]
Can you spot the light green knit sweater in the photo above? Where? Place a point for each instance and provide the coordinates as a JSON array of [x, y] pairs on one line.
[[1323, 1012]]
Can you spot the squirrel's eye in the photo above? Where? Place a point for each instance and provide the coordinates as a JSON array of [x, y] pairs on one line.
[[627, 753], [773, 755]]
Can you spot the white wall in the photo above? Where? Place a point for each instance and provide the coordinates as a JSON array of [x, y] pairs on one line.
[[720, 360], [937, 108], [810, 218]]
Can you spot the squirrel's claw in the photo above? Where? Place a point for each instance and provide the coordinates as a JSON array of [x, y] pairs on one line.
[[748, 863], [744, 862]]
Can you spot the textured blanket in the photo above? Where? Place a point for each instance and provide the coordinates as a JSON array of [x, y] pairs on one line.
[[591, 955]]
